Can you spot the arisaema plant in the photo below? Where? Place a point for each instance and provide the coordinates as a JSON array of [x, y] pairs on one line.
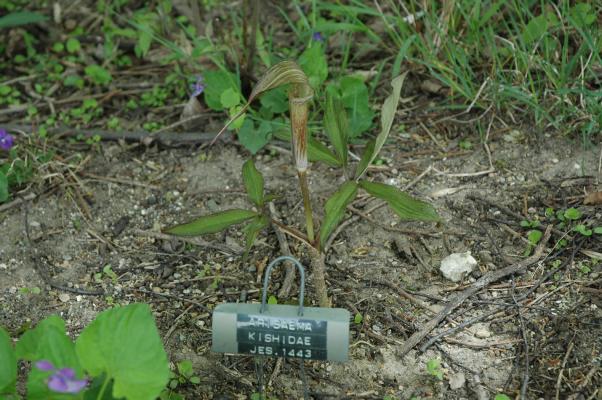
[[307, 149]]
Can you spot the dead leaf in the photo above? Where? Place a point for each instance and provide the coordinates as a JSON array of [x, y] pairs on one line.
[[431, 86], [594, 198], [191, 110]]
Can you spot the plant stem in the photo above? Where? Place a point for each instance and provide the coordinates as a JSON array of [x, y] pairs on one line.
[[101, 393], [309, 220], [318, 268]]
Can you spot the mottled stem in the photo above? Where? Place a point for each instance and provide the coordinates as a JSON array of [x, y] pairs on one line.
[[309, 220], [318, 268]]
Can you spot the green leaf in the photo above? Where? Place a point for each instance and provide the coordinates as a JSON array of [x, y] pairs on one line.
[[501, 396], [8, 366], [124, 343], [534, 236], [216, 83], [572, 213], [582, 14], [358, 319], [276, 101], [21, 18], [354, 97], [434, 368], [230, 98], [98, 74], [405, 206], [211, 223], [253, 139], [538, 26], [313, 62], [336, 126], [366, 158], [47, 341], [582, 229], [335, 209], [598, 230], [272, 300], [73, 45], [3, 188], [387, 116], [316, 151], [253, 181], [252, 230]]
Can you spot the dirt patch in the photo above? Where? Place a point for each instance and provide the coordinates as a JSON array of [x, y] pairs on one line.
[[107, 216]]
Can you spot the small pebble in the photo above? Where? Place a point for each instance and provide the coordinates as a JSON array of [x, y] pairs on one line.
[[64, 297], [483, 333]]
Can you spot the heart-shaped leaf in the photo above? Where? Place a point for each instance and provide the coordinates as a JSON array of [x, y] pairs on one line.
[[211, 223], [124, 344], [8, 366]]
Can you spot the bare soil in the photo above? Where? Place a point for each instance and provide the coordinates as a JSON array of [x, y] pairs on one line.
[[110, 211]]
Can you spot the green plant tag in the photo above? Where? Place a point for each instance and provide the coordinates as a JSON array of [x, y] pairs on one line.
[[211, 223], [8, 366], [124, 344]]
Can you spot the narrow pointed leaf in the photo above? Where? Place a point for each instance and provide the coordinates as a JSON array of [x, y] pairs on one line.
[[336, 125], [253, 181], [252, 230], [211, 223], [366, 158], [8, 366], [404, 205], [386, 118], [335, 209], [316, 150]]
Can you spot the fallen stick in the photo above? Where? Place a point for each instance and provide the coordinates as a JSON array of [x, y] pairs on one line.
[[482, 283], [166, 138]]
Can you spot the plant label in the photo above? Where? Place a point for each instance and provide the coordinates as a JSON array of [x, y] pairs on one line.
[[318, 334]]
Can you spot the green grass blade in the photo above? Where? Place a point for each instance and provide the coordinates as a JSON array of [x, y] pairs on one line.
[[211, 223], [21, 18]]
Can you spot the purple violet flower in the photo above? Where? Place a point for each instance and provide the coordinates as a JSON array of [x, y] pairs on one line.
[[6, 140], [198, 87], [317, 37], [62, 380]]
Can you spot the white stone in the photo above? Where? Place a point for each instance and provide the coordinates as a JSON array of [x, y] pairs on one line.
[[456, 265], [457, 381], [64, 297], [483, 333]]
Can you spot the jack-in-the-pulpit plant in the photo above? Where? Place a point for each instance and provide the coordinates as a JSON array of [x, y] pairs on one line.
[[306, 148]]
